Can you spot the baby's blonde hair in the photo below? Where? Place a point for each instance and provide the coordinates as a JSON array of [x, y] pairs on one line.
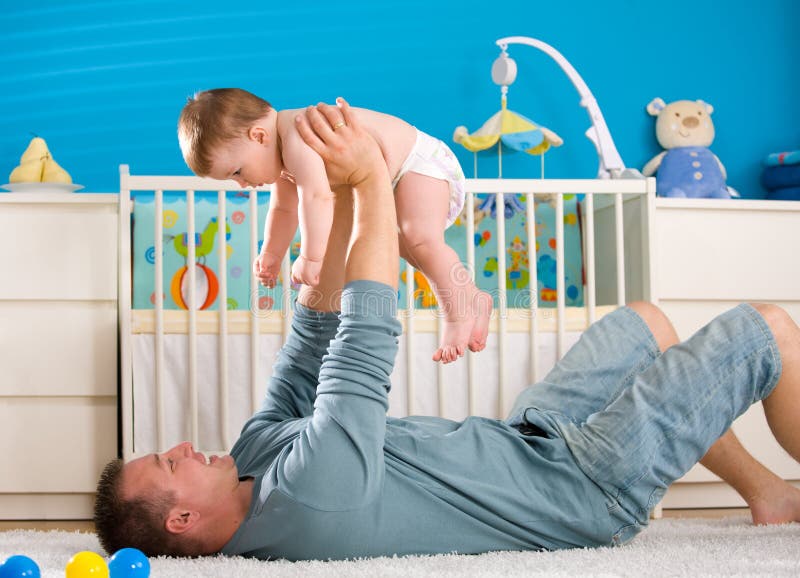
[[213, 117]]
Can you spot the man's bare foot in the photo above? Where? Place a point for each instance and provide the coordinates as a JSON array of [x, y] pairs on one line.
[[454, 340], [482, 312], [777, 503]]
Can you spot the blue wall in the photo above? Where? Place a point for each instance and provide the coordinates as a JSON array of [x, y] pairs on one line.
[[103, 82]]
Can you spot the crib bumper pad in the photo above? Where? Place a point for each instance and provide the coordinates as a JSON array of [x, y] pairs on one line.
[[521, 259]]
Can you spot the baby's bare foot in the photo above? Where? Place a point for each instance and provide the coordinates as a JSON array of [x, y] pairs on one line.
[[482, 312], [776, 503], [454, 340]]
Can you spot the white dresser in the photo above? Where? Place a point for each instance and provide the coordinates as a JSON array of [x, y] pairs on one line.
[[706, 256], [58, 351]]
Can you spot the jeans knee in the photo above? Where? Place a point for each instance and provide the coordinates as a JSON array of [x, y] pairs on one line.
[[658, 323], [645, 308], [778, 319]]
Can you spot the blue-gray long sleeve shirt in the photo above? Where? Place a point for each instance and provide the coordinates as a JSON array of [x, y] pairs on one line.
[[336, 478]]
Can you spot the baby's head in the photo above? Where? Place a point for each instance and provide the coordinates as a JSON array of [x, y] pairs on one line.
[[212, 119]]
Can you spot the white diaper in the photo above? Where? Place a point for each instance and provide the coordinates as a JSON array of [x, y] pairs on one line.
[[431, 157]]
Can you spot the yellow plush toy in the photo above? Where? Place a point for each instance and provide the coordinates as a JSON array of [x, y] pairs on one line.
[[38, 166]]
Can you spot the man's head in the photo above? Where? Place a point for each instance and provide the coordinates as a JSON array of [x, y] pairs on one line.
[[229, 133], [170, 503]]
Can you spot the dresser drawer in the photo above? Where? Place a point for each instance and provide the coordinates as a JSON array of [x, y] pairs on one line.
[[60, 348], [58, 251], [727, 250], [56, 444]]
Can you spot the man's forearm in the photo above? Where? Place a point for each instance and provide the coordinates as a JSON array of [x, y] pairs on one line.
[[373, 253]]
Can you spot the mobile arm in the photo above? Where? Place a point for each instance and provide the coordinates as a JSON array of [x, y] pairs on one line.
[[611, 165]]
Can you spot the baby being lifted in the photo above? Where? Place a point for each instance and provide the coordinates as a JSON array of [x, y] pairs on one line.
[[229, 133]]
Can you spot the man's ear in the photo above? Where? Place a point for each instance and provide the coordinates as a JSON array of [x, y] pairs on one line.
[[179, 521]]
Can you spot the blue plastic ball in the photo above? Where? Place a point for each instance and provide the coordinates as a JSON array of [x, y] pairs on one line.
[[19, 567], [129, 563]]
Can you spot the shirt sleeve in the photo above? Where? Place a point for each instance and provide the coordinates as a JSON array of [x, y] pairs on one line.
[[292, 388], [337, 461]]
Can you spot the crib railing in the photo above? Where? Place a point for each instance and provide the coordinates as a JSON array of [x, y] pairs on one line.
[[604, 218]]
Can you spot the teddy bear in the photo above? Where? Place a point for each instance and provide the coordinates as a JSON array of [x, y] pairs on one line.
[[687, 168]]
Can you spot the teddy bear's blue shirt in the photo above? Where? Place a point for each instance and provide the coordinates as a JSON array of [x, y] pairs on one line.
[[690, 172]]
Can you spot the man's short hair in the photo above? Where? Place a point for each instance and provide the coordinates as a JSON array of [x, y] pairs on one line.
[[138, 522]]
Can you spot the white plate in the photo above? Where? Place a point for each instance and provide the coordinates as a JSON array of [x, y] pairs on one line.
[[42, 187]]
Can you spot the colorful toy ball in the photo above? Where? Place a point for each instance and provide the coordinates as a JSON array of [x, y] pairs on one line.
[[19, 567], [87, 565], [129, 563]]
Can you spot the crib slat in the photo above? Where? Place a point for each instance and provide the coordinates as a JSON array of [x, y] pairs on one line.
[[222, 268], [440, 381], [618, 218], [409, 339], [648, 215], [191, 260], [255, 311], [589, 290], [533, 290], [286, 297], [560, 281], [159, 305], [470, 214], [499, 207], [500, 214], [286, 294], [125, 265]]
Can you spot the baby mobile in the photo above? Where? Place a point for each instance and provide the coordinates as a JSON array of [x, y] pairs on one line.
[[510, 129]]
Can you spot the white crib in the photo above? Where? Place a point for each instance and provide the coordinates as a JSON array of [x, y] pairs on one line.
[[166, 397]]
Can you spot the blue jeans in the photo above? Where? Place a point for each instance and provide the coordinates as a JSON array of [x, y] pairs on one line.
[[636, 419]]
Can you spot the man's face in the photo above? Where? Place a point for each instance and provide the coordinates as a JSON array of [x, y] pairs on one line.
[[198, 484], [251, 161]]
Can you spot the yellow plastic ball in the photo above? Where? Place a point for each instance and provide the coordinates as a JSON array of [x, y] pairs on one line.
[[87, 565]]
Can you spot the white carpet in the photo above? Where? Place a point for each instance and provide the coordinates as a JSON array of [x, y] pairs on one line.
[[670, 547]]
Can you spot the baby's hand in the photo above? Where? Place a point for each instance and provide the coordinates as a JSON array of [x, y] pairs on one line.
[[306, 271], [266, 267]]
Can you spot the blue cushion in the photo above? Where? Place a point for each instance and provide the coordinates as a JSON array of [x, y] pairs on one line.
[[785, 194], [781, 177]]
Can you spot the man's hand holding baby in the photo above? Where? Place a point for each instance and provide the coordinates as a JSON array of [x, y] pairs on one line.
[[350, 153]]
